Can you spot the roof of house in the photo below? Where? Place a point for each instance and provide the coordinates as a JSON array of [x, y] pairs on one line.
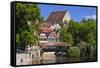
[[57, 15], [46, 25]]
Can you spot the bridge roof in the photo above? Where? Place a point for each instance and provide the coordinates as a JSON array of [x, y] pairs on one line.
[[54, 44]]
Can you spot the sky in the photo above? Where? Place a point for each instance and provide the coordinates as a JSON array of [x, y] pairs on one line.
[[77, 13]]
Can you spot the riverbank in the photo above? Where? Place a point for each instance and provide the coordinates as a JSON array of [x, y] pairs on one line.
[[25, 59]]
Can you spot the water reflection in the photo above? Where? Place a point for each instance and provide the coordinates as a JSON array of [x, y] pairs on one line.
[[56, 60], [62, 59], [50, 57]]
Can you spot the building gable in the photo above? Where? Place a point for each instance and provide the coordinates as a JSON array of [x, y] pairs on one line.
[[58, 17]]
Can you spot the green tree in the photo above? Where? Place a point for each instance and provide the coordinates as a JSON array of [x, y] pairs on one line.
[[28, 38], [85, 31], [66, 36], [25, 34], [90, 39], [74, 52], [24, 13], [80, 30], [88, 33], [74, 30], [17, 39]]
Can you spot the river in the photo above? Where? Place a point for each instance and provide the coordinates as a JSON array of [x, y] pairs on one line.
[[47, 58]]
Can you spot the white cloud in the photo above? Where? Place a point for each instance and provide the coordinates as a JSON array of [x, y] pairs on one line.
[[91, 17]]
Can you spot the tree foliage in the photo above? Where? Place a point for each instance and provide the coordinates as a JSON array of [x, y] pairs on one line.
[[83, 30], [25, 34], [74, 52], [66, 36], [24, 13], [75, 32]]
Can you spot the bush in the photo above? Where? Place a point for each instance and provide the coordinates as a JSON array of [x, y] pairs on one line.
[[74, 52], [89, 50]]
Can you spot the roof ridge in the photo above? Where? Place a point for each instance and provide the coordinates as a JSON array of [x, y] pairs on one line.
[[59, 11], [56, 15]]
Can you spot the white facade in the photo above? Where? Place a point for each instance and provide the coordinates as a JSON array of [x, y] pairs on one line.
[[43, 39], [67, 17]]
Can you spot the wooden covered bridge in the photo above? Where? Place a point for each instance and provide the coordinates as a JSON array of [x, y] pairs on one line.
[[57, 47]]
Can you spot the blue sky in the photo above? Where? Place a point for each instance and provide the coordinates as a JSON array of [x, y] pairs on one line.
[[77, 13]]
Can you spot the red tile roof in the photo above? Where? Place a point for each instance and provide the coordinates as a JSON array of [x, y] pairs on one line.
[[58, 15], [46, 27]]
